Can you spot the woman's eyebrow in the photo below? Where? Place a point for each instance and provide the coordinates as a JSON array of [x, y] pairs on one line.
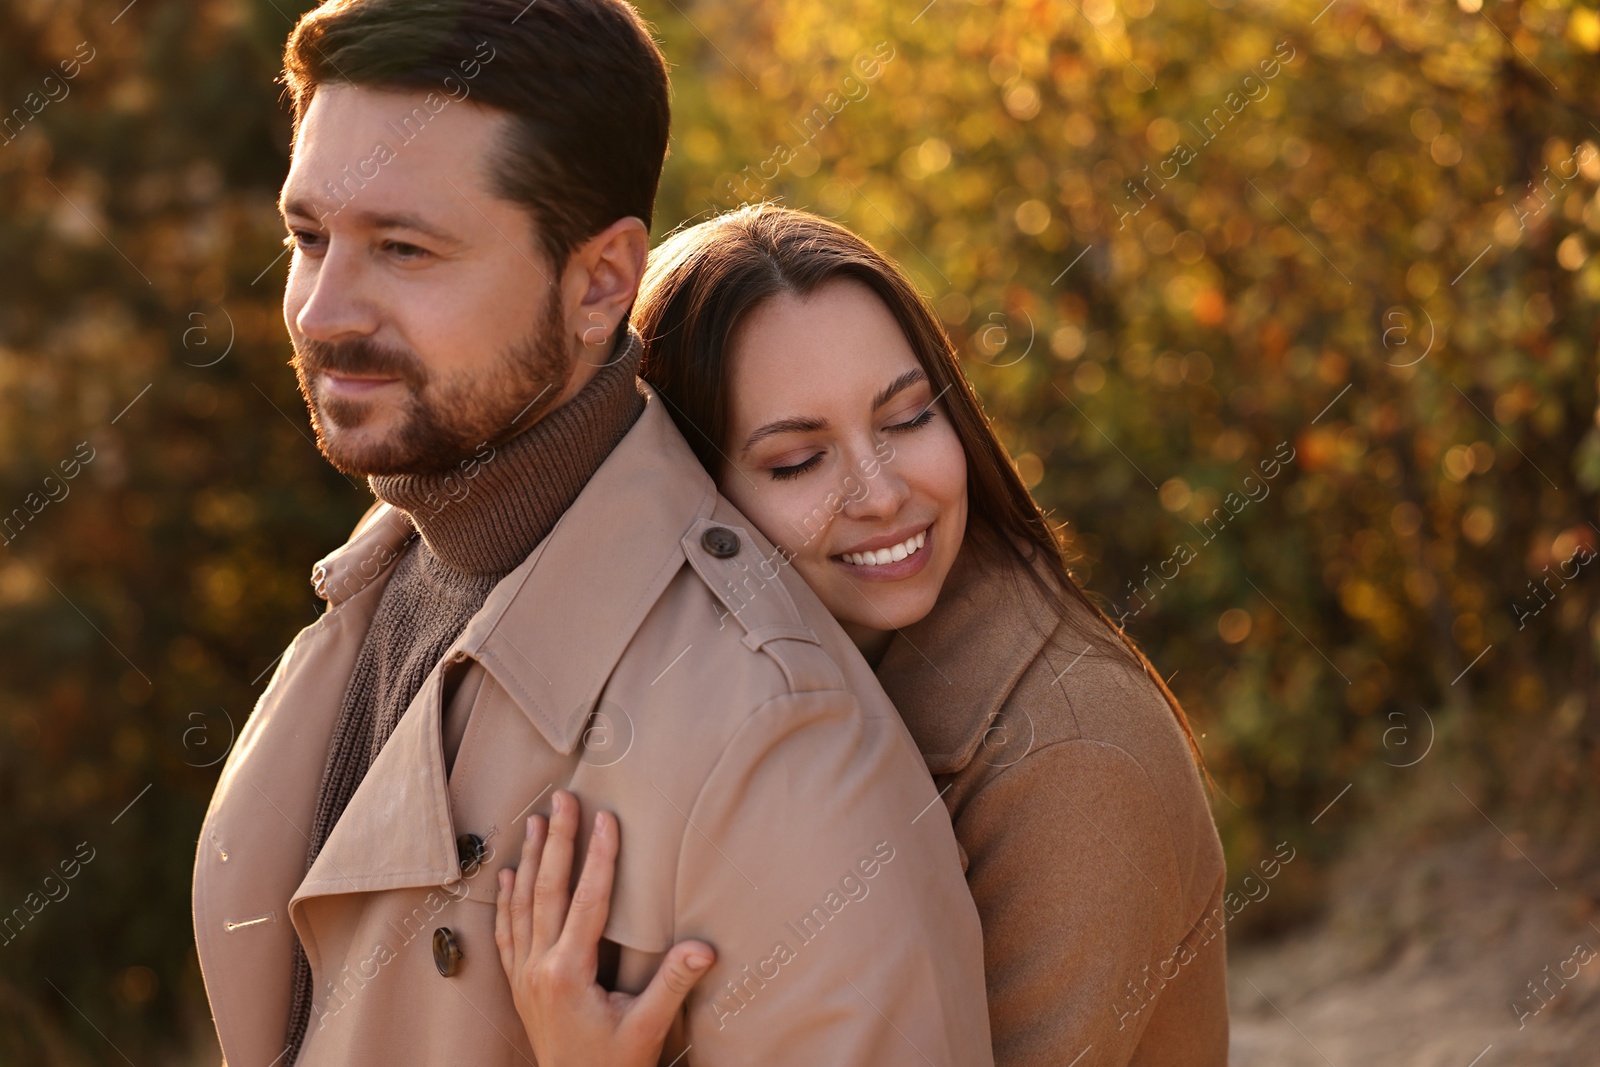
[[802, 424], [793, 424], [909, 378]]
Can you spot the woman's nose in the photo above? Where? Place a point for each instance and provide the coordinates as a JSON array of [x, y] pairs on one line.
[[875, 490]]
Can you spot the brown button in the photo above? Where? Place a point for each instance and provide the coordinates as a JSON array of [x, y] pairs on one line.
[[471, 851], [446, 951], [720, 542]]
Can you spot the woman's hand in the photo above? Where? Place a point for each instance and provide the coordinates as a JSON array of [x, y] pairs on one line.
[[550, 951]]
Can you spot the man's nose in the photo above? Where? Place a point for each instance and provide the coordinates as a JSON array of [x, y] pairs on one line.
[[337, 306]]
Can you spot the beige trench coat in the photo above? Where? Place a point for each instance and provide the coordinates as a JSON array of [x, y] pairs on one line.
[[770, 799], [1084, 829]]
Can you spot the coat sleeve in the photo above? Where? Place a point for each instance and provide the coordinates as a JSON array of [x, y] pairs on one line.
[[820, 865], [1089, 932]]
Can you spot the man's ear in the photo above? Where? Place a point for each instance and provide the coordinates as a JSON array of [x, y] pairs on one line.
[[600, 284]]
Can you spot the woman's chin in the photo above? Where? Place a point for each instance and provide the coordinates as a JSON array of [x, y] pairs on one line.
[[886, 610]]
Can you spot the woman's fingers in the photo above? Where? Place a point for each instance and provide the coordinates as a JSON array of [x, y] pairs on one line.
[[522, 886], [651, 1013], [555, 872], [505, 878], [549, 948], [591, 900], [533, 916]]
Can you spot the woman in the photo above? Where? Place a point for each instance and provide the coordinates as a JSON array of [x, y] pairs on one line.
[[815, 384]]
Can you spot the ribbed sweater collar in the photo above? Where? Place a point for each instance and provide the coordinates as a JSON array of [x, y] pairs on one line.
[[488, 515]]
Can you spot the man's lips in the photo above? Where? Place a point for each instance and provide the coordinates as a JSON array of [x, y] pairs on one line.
[[353, 385]]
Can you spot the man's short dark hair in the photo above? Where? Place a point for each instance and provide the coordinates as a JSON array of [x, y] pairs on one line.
[[583, 81]]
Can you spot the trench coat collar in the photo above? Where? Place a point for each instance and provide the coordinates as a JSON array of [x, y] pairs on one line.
[[550, 634], [950, 672], [553, 628], [375, 543]]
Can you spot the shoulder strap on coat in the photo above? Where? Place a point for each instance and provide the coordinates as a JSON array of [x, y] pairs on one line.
[[749, 587]]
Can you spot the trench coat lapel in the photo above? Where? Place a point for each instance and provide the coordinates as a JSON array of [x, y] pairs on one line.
[[253, 846], [396, 830]]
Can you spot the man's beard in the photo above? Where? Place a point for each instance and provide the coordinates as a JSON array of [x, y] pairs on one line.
[[444, 420]]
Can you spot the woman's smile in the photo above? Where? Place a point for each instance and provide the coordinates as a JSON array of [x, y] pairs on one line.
[[889, 558]]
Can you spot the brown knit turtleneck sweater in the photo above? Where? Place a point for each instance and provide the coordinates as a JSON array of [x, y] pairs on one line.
[[441, 580]]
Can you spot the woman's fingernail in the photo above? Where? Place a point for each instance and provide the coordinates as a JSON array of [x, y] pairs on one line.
[[599, 823], [697, 963], [527, 830]]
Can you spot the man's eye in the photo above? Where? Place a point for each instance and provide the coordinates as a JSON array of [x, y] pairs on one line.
[[404, 250], [304, 240], [921, 420], [785, 473]]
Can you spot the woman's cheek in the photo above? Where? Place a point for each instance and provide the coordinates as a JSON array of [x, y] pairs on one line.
[[805, 531], [810, 513], [936, 466], [780, 512]]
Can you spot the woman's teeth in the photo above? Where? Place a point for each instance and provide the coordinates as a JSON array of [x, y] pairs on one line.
[[893, 554]]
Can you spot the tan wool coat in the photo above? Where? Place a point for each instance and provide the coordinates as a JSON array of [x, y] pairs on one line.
[[645, 658], [1085, 832]]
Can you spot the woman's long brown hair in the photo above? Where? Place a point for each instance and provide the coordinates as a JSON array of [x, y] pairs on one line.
[[704, 280]]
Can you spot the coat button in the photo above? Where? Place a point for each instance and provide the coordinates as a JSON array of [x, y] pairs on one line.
[[720, 542], [446, 951], [471, 851]]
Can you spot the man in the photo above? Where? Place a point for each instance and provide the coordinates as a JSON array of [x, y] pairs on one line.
[[548, 595]]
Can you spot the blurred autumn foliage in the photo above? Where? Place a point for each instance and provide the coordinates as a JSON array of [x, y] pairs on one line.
[[1286, 311]]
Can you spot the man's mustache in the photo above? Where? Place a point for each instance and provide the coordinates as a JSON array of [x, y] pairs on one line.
[[358, 357]]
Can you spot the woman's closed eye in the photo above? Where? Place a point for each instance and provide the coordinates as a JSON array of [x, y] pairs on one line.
[[794, 470], [922, 419]]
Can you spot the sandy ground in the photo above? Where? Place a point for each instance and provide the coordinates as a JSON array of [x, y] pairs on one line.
[[1425, 960]]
